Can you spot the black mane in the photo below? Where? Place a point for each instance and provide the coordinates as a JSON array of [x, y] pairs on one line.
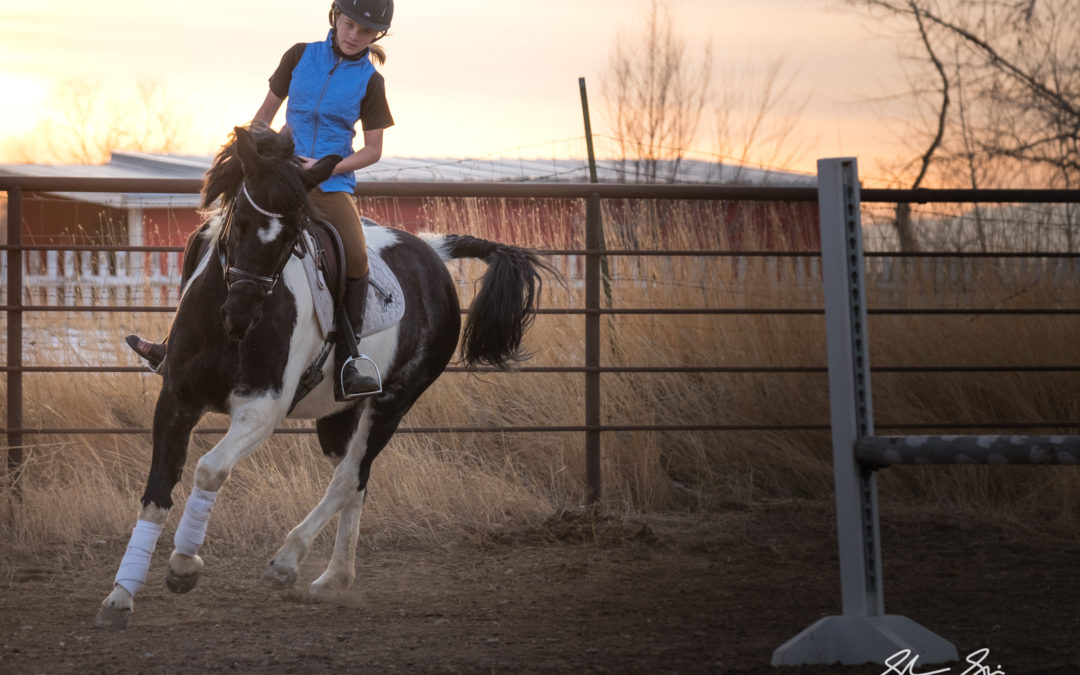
[[277, 180]]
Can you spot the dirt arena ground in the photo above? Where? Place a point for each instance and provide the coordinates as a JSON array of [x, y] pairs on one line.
[[579, 594]]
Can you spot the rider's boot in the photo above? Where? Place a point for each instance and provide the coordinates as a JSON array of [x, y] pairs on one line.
[[357, 377], [153, 352]]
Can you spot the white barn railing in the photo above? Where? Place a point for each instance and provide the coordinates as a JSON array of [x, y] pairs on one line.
[[83, 278], [86, 278]]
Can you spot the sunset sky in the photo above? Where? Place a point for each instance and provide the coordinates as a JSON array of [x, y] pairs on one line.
[[471, 78]]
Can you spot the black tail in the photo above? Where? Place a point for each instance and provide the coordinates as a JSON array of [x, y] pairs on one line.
[[505, 304]]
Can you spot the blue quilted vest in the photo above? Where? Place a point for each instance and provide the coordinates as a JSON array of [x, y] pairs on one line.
[[324, 106]]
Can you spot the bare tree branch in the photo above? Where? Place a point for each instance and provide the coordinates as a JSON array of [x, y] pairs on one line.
[[1019, 62], [942, 116], [655, 96], [1005, 64]]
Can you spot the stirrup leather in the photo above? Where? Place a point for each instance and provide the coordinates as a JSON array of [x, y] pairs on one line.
[[341, 377]]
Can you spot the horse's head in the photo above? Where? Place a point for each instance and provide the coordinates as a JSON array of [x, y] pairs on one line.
[[263, 190]]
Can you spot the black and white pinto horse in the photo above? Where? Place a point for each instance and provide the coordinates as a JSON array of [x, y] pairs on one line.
[[246, 330]]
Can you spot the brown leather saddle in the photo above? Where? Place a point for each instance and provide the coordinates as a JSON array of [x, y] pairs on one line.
[[329, 258]]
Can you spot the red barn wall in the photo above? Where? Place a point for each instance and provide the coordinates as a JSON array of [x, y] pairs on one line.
[[554, 223], [53, 221]]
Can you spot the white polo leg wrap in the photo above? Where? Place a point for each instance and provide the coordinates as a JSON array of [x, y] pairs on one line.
[[136, 560], [191, 531]]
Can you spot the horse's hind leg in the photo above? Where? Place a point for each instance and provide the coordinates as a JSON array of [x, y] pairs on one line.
[[344, 439], [173, 423], [341, 572]]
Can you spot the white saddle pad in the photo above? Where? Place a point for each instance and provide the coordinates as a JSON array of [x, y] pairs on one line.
[[385, 301]]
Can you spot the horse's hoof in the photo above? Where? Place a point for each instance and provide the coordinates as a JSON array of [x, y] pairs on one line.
[[181, 583], [327, 594], [113, 618], [332, 587], [276, 576], [184, 571]]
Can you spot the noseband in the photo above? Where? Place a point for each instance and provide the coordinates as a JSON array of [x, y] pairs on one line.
[[236, 275]]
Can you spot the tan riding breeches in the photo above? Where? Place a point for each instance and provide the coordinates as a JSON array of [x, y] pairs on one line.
[[340, 209]]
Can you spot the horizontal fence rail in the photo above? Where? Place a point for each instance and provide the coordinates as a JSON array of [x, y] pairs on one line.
[[542, 190]]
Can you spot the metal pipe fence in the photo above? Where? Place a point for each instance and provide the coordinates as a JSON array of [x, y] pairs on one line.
[[592, 425]]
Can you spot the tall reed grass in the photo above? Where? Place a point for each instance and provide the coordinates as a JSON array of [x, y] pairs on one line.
[[81, 488]]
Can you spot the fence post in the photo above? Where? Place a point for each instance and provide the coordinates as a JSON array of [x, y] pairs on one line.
[[864, 633], [14, 333], [592, 348]]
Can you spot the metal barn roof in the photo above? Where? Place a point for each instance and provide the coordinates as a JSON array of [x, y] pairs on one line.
[[146, 165], [124, 165], [686, 171]]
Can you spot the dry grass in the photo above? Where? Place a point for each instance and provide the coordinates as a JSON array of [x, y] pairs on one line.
[[77, 489]]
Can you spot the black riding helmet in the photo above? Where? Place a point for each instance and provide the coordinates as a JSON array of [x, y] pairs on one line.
[[374, 14]]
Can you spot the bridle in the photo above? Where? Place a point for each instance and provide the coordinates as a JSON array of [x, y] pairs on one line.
[[235, 275]]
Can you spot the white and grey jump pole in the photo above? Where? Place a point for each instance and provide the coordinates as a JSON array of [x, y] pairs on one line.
[[863, 633]]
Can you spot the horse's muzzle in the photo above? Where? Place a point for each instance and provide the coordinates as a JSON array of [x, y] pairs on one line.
[[241, 311], [235, 331]]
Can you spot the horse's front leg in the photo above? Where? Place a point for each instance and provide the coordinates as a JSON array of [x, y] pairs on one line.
[[173, 422], [253, 421]]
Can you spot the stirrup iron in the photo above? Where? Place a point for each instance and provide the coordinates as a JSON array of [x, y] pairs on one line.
[[349, 362]]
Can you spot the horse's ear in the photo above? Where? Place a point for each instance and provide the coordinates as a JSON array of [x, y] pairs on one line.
[[246, 150], [320, 171]]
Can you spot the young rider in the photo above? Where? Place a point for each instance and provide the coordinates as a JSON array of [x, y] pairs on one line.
[[330, 86]]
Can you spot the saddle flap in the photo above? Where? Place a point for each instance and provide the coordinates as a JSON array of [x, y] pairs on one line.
[[322, 284], [329, 256]]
